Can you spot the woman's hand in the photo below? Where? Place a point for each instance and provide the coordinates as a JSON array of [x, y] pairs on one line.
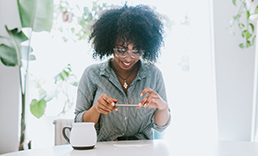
[[105, 104], [153, 100]]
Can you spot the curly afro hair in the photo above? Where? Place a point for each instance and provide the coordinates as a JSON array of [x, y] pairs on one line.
[[138, 25]]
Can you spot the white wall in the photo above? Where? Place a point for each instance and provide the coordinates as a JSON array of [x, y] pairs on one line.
[[234, 76], [9, 85]]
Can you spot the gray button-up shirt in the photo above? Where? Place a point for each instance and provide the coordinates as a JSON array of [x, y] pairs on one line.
[[99, 79]]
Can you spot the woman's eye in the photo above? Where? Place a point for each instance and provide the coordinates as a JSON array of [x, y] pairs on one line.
[[121, 50], [136, 52]]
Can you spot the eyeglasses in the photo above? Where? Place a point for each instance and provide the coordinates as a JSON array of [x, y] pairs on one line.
[[122, 53]]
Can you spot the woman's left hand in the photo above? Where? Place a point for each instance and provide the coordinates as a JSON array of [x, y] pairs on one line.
[[153, 100]]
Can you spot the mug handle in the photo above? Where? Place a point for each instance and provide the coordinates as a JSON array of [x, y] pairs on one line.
[[65, 136]]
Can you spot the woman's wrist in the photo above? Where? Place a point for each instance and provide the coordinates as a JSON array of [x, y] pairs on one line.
[[162, 115], [90, 114], [95, 109], [164, 106]]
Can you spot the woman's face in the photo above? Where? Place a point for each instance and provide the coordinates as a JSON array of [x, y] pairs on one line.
[[125, 62]]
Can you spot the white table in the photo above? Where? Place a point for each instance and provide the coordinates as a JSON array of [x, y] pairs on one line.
[[150, 148]]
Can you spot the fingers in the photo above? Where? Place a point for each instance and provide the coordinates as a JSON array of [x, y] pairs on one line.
[[105, 104], [138, 107], [146, 90], [101, 110], [150, 100]]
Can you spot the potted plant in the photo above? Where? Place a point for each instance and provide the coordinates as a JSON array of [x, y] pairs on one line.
[[34, 16], [246, 15]]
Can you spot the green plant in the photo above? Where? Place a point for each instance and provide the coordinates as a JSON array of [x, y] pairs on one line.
[[35, 15], [65, 78], [63, 81], [245, 25]]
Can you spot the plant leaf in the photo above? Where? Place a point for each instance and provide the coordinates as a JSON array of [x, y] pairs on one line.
[[247, 14], [248, 44], [254, 39], [246, 34], [37, 108], [252, 27], [237, 17], [242, 45], [64, 74], [75, 84], [17, 37], [36, 14], [256, 9], [241, 25], [234, 2], [24, 53], [8, 55], [7, 40]]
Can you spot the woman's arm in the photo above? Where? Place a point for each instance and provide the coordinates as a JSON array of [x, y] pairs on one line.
[[91, 115], [153, 100], [103, 105], [161, 117]]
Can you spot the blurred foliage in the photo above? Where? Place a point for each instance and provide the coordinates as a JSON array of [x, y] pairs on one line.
[[243, 23], [13, 52], [35, 16], [78, 27], [63, 81]]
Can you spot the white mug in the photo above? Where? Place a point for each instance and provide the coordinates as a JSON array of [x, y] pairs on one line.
[[83, 135]]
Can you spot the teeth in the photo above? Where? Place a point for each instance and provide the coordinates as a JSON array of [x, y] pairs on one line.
[[127, 64]]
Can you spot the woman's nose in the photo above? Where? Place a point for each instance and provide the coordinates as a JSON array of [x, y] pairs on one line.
[[128, 57]]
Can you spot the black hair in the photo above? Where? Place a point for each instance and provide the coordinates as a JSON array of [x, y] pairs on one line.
[[139, 25]]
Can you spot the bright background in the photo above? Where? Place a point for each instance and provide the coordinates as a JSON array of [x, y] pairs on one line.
[[186, 66], [209, 79]]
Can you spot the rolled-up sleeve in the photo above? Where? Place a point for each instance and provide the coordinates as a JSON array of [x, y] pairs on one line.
[[161, 90], [80, 108], [160, 128]]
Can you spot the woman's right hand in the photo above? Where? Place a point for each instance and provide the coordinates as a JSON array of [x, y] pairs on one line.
[[105, 104]]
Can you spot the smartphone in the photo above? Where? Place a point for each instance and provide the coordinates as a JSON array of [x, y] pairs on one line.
[[126, 105]]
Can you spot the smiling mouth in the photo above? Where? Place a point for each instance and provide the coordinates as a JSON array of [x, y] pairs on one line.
[[127, 64]]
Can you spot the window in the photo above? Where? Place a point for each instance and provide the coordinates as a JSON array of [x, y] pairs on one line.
[[186, 64]]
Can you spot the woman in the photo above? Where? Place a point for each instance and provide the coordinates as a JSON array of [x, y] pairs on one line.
[[127, 33]]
